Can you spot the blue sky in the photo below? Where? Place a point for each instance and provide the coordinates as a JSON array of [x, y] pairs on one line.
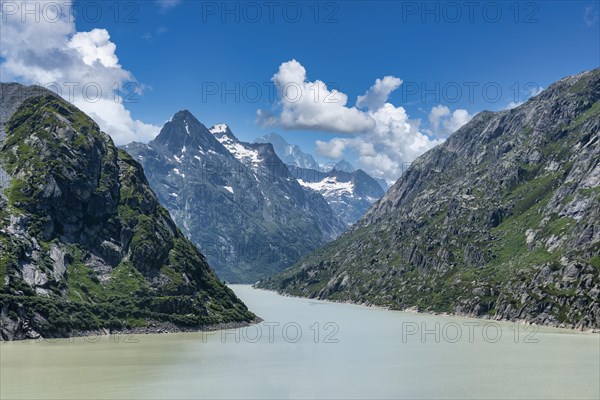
[[178, 50]]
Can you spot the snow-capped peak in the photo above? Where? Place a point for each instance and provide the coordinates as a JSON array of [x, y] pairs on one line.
[[218, 128]]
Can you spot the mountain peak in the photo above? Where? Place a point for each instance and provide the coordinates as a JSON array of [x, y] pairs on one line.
[[184, 129], [183, 114], [238, 196], [344, 165]]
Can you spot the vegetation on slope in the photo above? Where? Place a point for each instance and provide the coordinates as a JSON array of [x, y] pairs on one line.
[[84, 243]]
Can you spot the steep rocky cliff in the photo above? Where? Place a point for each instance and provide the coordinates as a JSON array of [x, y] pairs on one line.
[[84, 244], [501, 221]]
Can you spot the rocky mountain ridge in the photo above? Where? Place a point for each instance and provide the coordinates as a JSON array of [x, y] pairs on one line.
[[500, 221]]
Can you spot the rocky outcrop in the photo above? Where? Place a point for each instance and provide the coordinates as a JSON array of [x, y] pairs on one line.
[[84, 243], [501, 221]]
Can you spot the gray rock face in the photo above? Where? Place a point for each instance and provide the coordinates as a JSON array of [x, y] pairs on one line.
[[4, 180], [57, 254], [236, 201], [84, 243], [501, 221]]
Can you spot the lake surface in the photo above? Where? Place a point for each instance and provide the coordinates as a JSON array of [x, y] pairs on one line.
[[313, 349]]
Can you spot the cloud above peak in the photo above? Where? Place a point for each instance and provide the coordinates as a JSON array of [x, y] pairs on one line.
[[385, 151], [95, 46], [82, 67], [383, 138], [309, 105], [378, 94]]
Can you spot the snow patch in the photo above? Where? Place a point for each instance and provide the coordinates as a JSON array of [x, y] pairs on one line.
[[218, 128], [330, 187], [245, 154]]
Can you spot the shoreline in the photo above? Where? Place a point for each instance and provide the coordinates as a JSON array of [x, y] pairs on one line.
[[154, 328], [414, 310]]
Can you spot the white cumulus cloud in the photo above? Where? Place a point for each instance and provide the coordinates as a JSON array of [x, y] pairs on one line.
[[95, 46], [385, 151], [333, 148], [384, 139], [312, 105], [83, 67], [378, 94]]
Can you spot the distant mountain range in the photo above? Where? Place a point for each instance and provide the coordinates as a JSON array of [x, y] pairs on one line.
[[292, 155], [237, 201], [501, 221], [349, 192], [85, 246]]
